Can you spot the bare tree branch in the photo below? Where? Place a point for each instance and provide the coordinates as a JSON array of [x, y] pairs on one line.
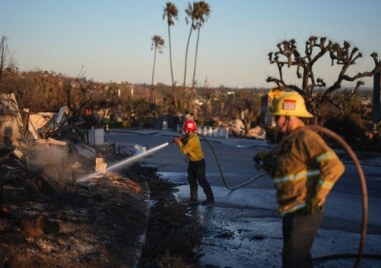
[[344, 55]]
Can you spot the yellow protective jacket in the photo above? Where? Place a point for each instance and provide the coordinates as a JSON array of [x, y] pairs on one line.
[[305, 169], [192, 148]]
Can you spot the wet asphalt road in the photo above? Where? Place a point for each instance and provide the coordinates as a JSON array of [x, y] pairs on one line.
[[243, 227]]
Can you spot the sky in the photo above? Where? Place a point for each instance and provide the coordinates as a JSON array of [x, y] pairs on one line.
[[110, 40]]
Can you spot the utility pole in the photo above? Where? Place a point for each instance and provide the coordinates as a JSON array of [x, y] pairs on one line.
[[3, 47], [376, 98]]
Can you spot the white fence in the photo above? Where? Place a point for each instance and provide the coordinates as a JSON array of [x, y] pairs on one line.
[[209, 131]]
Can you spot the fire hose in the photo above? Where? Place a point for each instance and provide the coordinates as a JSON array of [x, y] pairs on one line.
[[222, 174], [360, 252]]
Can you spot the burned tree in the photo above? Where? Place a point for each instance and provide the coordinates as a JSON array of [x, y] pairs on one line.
[[341, 56], [79, 92]]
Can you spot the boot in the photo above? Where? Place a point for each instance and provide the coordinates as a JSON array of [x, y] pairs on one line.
[[193, 197], [208, 201]]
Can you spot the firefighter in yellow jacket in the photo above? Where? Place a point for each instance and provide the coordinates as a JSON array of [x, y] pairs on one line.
[[304, 169], [190, 145]]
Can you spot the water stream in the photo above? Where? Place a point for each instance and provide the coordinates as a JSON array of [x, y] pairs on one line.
[[125, 162]]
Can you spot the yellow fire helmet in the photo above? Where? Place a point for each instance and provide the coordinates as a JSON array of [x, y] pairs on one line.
[[290, 104]]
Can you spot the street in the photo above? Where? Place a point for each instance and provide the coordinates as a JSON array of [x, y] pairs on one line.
[[243, 228]]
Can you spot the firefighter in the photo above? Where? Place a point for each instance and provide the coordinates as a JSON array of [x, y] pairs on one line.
[[190, 145], [304, 169]]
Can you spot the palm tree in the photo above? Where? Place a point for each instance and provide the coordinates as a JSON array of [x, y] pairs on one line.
[[190, 17], [201, 13], [157, 44], [171, 12]]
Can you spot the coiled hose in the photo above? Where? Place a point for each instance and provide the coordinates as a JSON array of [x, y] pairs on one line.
[[364, 192]]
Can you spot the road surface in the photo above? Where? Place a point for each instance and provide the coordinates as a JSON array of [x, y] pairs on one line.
[[243, 228]]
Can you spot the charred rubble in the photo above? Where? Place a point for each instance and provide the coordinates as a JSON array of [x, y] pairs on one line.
[[50, 217]]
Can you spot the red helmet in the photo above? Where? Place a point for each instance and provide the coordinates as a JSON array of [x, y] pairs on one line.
[[190, 125]]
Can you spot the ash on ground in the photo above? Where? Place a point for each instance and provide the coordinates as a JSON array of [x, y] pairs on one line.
[[99, 224]]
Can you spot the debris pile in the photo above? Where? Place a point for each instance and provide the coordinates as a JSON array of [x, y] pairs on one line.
[[47, 219], [99, 225]]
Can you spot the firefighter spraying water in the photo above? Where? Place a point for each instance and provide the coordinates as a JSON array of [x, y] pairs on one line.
[[190, 145]]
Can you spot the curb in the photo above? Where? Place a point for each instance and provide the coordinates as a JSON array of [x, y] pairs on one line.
[[142, 239]]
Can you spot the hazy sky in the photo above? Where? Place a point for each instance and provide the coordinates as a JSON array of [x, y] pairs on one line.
[[112, 38]]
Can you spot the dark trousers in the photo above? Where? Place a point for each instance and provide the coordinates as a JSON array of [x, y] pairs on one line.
[[299, 231], [196, 173]]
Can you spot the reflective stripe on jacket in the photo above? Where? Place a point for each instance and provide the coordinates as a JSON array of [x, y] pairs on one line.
[[192, 148], [305, 169]]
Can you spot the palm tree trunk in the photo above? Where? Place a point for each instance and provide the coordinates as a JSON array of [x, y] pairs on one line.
[[186, 59], [195, 59], [170, 62], [153, 75]]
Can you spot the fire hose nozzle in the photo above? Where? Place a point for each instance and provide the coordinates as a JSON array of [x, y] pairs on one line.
[[182, 138], [172, 141]]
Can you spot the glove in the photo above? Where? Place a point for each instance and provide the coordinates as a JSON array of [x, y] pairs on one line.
[[261, 156], [264, 160], [313, 206], [181, 139], [176, 140], [184, 139]]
